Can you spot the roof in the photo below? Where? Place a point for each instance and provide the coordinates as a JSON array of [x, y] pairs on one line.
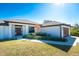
[[4, 22], [1, 21], [53, 23], [45, 24], [23, 21]]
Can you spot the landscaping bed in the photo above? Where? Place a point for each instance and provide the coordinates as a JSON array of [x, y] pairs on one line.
[[43, 36]]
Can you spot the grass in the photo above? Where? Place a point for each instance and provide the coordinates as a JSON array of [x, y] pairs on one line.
[[28, 48]]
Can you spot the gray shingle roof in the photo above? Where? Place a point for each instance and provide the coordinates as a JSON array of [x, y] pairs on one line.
[[1, 21], [53, 23], [5, 22], [21, 21], [50, 23]]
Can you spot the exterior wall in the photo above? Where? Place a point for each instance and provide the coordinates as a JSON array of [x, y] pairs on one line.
[[24, 29], [52, 30], [4, 32], [56, 31], [62, 29], [9, 31], [1, 32]]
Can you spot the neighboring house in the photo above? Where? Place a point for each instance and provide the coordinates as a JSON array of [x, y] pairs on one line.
[[17, 28], [56, 29]]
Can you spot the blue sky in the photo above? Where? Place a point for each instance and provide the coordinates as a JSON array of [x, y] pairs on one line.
[[38, 12]]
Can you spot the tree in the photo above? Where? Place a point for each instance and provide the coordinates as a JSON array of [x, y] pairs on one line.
[[75, 30], [76, 26]]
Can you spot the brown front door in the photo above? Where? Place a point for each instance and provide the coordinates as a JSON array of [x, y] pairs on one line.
[[65, 32], [18, 30]]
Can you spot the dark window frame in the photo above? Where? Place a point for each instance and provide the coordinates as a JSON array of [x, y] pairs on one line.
[[31, 29]]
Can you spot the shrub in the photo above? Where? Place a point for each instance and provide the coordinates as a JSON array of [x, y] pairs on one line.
[[24, 36], [74, 33], [75, 30], [37, 37], [33, 34], [41, 34], [28, 36]]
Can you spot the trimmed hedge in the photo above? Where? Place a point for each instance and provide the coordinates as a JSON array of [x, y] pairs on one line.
[[41, 34], [29, 36]]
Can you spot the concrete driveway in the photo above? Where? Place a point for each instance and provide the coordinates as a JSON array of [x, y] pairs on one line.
[[76, 40]]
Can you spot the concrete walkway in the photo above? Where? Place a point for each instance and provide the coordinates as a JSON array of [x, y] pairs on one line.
[[71, 41], [76, 40]]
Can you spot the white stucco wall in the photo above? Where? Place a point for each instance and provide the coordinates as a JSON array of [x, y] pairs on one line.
[[25, 29], [1, 32], [9, 31], [4, 32], [53, 30]]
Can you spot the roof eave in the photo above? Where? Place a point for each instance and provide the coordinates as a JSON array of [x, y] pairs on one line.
[[57, 25], [20, 22]]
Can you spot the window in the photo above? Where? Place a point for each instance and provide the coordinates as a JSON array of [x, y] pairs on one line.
[[31, 29]]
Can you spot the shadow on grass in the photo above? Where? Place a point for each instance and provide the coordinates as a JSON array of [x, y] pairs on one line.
[[62, 46], [65, 48]]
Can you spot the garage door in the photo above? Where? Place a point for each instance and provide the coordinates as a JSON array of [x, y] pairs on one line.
[[65, 32]]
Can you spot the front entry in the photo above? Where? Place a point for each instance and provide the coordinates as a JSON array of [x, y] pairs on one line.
[[18, 30]]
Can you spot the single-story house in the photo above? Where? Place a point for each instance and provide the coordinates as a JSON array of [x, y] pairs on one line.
[[17, 28]]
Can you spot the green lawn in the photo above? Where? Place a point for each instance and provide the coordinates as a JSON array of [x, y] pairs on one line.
[[28, 48]]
